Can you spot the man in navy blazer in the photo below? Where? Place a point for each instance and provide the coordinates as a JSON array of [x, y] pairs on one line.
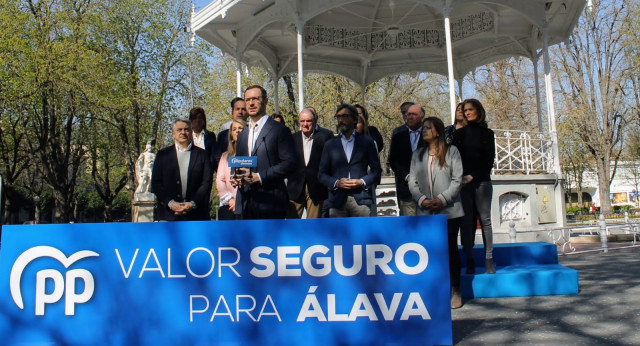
[[182, 178], [238, 112], [305, 191], [262, 193], [404, 141], [349, 167], [202, 137]]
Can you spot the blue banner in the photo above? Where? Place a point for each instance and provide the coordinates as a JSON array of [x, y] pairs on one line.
[[326, 281]]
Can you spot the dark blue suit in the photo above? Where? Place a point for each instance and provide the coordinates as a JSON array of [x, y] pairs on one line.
[[364, 164], [276, 160], [222, 144], [166, 183], [210, 148], [400, 159]]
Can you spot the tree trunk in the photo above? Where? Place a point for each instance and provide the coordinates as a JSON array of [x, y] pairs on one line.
[[603, 169], [291, 96]]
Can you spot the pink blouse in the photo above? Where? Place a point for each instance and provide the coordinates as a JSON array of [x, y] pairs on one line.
[[223, 181]]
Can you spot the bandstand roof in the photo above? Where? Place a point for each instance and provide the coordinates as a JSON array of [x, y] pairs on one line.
[[367, 40]]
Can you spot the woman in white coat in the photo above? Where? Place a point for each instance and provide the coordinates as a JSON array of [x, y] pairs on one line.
[[435, 181]]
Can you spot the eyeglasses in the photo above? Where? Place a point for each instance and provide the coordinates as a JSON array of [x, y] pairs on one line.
[[253, 99], [342, 116]]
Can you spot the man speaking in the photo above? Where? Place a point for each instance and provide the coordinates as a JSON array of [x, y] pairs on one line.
[[182, 178], [262, 192]]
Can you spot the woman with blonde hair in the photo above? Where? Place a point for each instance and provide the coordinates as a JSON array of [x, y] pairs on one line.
[[226, 191], [459, 122]]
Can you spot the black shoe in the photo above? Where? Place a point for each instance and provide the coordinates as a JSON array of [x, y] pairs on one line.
[[471, 266], [488, 263]]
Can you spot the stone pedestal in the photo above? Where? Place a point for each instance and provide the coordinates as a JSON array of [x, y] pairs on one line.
[[143, 206]]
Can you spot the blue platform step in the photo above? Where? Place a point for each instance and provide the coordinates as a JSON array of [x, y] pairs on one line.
[[522, 269]]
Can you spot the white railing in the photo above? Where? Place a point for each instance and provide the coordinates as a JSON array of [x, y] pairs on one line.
[[522, 152], [562, 236]]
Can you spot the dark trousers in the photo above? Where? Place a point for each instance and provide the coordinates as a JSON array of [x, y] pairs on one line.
[[476, 203], [453, 225], [225, 214]]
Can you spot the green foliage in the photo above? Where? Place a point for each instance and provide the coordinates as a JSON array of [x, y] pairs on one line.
[[577, 210], [84, 85], [622, 209]]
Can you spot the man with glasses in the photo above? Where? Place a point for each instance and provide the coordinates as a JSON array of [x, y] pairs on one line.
[[349, 167], [262, 192]]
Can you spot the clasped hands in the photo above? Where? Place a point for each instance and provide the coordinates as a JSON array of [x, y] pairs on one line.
[[181, 208], [432, 204], [349, 184], [244, 177]]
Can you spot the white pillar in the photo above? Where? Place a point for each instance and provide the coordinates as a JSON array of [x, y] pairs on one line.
[[537, 83], [551, 112], [299, 29], [452, 92], [276, 94], [460, 98], [238, 76]]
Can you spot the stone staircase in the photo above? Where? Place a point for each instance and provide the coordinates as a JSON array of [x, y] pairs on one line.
[[386, 198]]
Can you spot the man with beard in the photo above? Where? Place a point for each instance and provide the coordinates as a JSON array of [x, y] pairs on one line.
[[349, 167]]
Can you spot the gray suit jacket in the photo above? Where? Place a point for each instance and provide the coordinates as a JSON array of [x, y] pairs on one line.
[[447, 182]]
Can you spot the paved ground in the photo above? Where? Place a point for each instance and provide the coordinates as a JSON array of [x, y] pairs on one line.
[[606, 312]]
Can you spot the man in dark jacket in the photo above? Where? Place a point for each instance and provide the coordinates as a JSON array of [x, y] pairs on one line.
[[349, 167], [305, 191], [182, 178], [404, 141]]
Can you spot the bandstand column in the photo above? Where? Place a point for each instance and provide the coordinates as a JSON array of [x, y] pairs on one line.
[[452, 91], [238, 75], [300, 29], [537, 84], [551, 112]]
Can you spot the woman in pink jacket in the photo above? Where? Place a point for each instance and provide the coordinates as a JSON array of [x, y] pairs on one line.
[[226, 191]]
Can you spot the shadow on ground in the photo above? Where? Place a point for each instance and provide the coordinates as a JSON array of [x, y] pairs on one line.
[[606, 311]]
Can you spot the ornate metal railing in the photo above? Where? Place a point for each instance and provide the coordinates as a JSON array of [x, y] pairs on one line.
[[522, 152]]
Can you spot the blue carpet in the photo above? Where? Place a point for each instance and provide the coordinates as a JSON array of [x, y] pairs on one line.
[[522, 269]]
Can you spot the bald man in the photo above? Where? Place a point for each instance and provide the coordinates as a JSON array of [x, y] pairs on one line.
[[405, 140]]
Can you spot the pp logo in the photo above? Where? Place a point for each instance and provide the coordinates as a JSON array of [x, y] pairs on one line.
[[61, 286]]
